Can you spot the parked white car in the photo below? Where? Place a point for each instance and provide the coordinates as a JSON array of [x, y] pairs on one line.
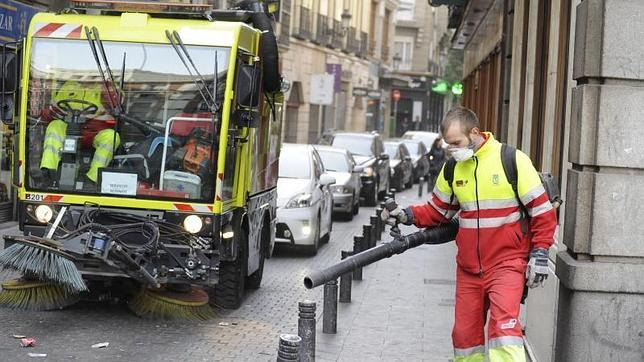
[[339, 163], [304, 198], [427, 138]]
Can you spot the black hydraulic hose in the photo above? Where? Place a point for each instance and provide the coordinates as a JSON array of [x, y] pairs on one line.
[[268, 52], [438, 235]]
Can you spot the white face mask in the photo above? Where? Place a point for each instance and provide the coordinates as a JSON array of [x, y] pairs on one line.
[[462, 153]]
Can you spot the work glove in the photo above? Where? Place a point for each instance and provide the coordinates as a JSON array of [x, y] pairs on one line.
[[397, 214], [537, 271]]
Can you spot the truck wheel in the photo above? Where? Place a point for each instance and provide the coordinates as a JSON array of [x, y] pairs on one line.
[[229, 291], [254, 280]]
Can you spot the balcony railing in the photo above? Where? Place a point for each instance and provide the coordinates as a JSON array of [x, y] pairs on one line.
[[372, 47], [303, 24], [364, 43], [338, 38], [323, 33]]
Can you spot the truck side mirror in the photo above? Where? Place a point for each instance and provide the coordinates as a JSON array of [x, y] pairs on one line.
[[8, 85], [248, 84]]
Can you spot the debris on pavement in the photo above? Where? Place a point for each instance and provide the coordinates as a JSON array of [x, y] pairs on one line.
[[224, 324], [37, 354], [101, 345], [19, 336], [28, 342]]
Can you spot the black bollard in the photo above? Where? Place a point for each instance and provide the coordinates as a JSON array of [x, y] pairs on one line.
[[345, 282], [330, 312], [366, 234], [288, 349], [430, 181], [374, 229], [421, 182], [357, 247], [306, 330], [379, 224]]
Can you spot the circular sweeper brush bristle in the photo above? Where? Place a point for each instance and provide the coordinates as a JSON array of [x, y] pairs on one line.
[[163, 303], [35, 295], [33, 256]]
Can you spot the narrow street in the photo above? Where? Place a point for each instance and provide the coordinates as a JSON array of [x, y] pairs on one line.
[[402, 310]]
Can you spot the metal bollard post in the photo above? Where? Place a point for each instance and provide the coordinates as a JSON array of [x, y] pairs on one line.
[[306, 330], [330, 312], [345, 282], [378, 224], [421, 184], [366, 234], [374, 229], [288, 349], [429, 183], [357, 247]]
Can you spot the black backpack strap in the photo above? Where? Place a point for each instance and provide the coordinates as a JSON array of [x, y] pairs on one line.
[[509, 162], [448, 174]]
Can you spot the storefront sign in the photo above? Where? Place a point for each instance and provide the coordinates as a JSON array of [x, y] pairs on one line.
[[14, 20], [321, 89], [374, 93], [359, 92]]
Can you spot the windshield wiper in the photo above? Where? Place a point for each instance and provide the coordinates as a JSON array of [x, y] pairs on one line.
[[116, 101], [197, 78]]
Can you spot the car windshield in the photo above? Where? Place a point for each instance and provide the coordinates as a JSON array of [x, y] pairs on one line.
[[412, 147], [392, 150], [360, 146], [76, 143], [334, 161], [294, 163]]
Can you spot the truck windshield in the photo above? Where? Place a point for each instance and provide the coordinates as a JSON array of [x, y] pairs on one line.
[[77, 144]]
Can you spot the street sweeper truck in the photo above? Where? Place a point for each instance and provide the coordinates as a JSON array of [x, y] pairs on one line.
[[147, 139]]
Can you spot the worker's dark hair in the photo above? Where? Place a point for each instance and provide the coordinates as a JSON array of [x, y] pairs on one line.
[[464, 116]]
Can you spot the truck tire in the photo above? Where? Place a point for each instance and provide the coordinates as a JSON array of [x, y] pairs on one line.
[[229, 291], [254, 280]]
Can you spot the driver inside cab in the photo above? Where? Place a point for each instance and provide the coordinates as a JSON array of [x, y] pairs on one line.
[[77, 110]]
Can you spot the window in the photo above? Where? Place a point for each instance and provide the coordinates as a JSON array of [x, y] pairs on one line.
[[403, 47], [405, 11]]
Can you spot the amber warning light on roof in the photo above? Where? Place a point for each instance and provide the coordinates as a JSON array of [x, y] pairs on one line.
[[141, 6]]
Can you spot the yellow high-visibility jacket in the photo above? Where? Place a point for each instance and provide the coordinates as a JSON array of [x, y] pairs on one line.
[[489, 213]]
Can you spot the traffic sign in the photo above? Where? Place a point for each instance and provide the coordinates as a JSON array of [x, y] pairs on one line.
[[359, 92], [396, 95], [374, 93], [321, 89]]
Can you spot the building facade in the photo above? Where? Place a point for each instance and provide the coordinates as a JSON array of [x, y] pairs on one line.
[[349, 39], [417, 65], [561, 80]]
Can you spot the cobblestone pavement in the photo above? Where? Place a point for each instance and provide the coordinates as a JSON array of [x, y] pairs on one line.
[[402, 310]]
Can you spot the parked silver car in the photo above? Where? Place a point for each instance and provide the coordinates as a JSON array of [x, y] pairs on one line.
[[304, 198], [339, 163]]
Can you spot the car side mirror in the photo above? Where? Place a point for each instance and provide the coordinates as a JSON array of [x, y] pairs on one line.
[[384, 156], [248, 86], [326, 180], [358, 169]]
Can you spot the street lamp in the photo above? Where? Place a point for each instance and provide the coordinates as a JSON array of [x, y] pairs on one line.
[[345, 18], [397, 59]]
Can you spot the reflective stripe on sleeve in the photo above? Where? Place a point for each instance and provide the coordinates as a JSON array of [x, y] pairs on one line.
[[532, 194], [538, 210]]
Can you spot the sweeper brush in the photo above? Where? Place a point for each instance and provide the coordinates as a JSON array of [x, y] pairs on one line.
[[40, 258], [35, 295], [164, 303]]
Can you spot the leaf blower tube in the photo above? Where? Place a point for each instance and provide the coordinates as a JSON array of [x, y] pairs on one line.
[[437, 235], [268, 45]]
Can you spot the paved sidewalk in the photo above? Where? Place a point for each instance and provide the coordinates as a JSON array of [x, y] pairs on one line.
[[403, 309]]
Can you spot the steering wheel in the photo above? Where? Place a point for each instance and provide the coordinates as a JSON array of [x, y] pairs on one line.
[[65, 105]]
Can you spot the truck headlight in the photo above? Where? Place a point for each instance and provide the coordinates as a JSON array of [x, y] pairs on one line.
[[299, 200], [192, 224], [44, 213], [368, 171]]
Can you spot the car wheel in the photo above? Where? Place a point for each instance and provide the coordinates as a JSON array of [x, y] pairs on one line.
[[356, 207], [312, 250]]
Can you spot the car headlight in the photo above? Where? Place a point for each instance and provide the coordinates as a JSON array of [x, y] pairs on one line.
[[44, 213], [341, 189], [300, 200], [192, 224], [368, 171]]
